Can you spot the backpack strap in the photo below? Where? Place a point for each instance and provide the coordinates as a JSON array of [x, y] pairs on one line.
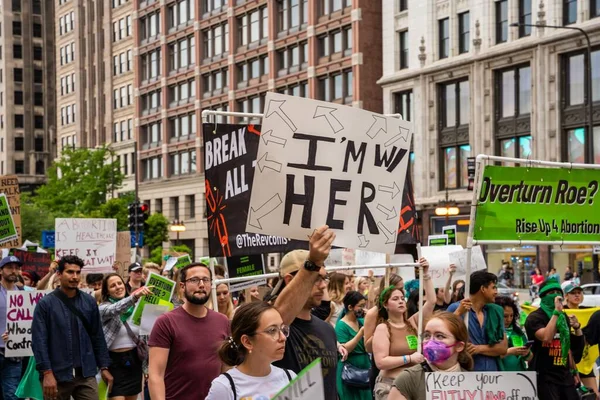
[[288, 374], [230, 379]]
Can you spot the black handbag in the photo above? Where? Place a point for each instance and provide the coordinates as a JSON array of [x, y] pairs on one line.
[[355, 377], [141, 346]]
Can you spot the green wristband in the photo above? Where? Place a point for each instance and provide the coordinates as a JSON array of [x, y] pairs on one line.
[[557, 313]]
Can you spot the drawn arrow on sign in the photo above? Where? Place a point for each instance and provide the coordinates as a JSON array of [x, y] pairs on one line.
[[380, 124], [363, 241], [255, 216], [389, 235], [390, 214], [404, 135], [274, 107], [268, 137], [327, 112], [264, 162], [394, 190]]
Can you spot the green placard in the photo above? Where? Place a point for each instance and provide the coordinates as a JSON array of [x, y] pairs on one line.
[[546, 204], [162, 290], [7, 225], [437, 240], [182, 261], [413, 342], [450, 230]]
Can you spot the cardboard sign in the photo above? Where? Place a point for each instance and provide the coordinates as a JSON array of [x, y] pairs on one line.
[[308, 385], [459, 258], [437, 240], [246, 266], [8, 230], [33, 261], [9, 186], [545, 204], [450, 231], [480, 385], [439, 261], [162, 292], [321, 163], [123, 255], [20, 305], [92, 239]]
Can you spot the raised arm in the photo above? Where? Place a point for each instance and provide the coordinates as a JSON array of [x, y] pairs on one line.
[[430, 299], [293, 297], [447, 291]]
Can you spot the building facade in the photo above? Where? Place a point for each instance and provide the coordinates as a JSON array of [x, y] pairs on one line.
[[225, 55], [27, 100], [94, 79], [473, 84]]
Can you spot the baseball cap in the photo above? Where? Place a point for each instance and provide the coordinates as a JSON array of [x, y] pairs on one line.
[[10, 260], [134, 267], [290, 263], [569, 286]]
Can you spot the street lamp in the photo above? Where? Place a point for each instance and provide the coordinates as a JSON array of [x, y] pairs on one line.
[[588, 78], [177, 226], [446, 207]]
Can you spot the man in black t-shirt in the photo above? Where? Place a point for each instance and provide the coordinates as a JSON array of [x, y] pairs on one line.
[[301, 288], [554, 334]]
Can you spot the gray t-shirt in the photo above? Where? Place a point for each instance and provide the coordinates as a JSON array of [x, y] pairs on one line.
[[411, 383]]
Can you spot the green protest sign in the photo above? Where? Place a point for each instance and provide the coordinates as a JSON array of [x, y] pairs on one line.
[[307, 385], [7, 224], [162, 291], [450, 230], [182, 261], [545, 204], [437, 240]]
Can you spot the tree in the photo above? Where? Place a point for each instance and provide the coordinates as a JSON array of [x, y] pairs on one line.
[[157, 232], [116, 208], [79, 182], [34, 219]]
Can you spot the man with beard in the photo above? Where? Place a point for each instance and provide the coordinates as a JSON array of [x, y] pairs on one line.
[[304, 281], [67, 338], [10, 368], [184, 342]]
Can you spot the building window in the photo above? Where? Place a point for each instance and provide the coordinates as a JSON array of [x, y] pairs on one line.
[[330, 6], [16, 5], [300, 89], [216, 41], [38, 122], [18, 97], [182, 127], [19, 143], [37, 53], [213, 5], [291, 14], [453, 139], [38, 76], [36, 6], [17, 51], [464, 32], [444, 35], [403, 62], [215, 82], [336, 87], [403, 104], [253, 104], [181, 12], [183, 163], [38, 99], [151, 101], [152, 168], [18, 74], [40, 168], [150, 26], [501, 21], [292, 59], [594, 8], [182, 54], [569, 12], [151, 64], [151, 135], [19, 121], [37, 30], [191, 203], [336, 41], [516, 147], [402, 5], [39, 144], [525, 18], [253, 26], [252, 69], [175, 207], [16, 28], [19, 167], [182, 92]]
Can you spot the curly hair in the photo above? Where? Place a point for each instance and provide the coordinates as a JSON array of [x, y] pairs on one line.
[[505, 301]]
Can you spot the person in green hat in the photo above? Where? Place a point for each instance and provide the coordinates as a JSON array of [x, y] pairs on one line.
[[555, 337]]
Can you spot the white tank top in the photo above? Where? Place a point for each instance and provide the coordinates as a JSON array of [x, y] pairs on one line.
[[123, 340]]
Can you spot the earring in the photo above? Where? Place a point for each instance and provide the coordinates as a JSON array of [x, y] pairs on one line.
[[250, 351]]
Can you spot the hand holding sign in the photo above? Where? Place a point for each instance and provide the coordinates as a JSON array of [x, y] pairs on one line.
[[320, 244], [143, 291]]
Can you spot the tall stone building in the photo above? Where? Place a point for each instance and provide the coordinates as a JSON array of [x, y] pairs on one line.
[[27, 93]]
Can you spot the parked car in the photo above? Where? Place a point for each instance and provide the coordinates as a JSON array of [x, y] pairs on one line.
[[591, 295], [504, 290]]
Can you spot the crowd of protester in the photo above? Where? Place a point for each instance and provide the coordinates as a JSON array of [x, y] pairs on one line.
[[247, 347]]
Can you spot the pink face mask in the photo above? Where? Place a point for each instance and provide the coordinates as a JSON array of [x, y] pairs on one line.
[[437, 352]]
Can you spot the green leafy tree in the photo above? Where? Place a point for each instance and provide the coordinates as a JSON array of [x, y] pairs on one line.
[[116, 208], [157, 232], [181, 248], [34, 219], [79, 182]]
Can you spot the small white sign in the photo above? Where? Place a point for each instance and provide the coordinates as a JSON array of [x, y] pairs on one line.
[[481, 385], [439, 261]]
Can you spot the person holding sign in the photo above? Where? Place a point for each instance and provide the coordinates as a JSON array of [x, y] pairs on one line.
[[486, 321], [303, 283], [183, 343], [257, 339], [395, 340], [444, 347], [121, 336], [556, 337], [67, 338]]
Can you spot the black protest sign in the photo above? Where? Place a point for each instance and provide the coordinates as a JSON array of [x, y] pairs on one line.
[[242, 266], [33, 261], [230, 159]]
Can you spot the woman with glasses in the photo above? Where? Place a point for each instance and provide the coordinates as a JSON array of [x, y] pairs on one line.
[[444, 347], [257, 339], [349, 330]]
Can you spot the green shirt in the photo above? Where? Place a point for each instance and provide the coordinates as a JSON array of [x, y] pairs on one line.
[[512, 362]]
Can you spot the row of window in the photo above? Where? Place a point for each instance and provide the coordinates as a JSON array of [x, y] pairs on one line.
[[151, 64], [67, 53], [253, 68], [67, 114], [181, 163], [123, 130], [127, 166], [17, 29], [38, 54], [38, 75], [40, 167], [66, 23], [38, 98], [335, 42], [36, 6], [123, 62], [115, 3], [68, 141], [253, 26], [67, 84], [122, 28], [190, 202], [37, 124], [38, 144], [181, 127], [182, 53], [122, 97], [336, 87]]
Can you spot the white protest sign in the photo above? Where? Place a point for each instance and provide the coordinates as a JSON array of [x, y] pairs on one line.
[[341, 258], [322, 163], [20, 305], [406, 273], [370, 258], [308, 385], [459, 258], [150, 314], [439, 261], [92, 239], [481, 385]]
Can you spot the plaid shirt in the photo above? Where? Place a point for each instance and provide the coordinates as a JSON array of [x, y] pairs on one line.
[[110, 315]]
